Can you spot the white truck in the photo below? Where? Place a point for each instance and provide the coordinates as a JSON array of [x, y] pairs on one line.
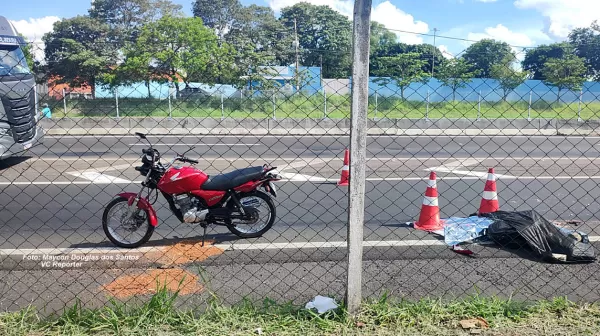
[[19, 116]]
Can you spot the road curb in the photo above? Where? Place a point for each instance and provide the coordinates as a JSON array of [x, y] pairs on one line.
[[341, 132], [291, 126]]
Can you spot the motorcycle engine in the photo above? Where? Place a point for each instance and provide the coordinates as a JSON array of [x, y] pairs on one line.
[[189, 208]]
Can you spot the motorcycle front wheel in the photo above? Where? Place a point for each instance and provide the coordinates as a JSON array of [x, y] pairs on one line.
[[262, 218], [138, 225]]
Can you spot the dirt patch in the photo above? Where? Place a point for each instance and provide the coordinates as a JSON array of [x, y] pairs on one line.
[[185, 252], [148, 283]]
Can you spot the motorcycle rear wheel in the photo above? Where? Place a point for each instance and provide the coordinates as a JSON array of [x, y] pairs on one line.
[[141, 221], [241, 232]]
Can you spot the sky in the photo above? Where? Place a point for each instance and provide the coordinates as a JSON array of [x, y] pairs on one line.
[[521, 23]]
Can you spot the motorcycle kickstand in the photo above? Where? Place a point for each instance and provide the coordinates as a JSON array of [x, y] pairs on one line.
[[204, 234]]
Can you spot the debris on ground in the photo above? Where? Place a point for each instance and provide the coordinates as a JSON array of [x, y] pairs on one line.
[[529, 229], [147, 283], [322, 304], [185, 252], [476, 323], [459, 230]]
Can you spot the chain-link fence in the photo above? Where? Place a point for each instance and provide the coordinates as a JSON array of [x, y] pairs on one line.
[[73, 170]]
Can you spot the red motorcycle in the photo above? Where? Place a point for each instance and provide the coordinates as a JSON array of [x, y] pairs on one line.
[[233, 199]]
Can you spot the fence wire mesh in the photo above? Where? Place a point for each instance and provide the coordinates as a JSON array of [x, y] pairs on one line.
[[69, 150]]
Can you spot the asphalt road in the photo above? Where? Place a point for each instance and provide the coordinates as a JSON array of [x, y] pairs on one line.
[[54, 197], [49, 201], [322, 146]]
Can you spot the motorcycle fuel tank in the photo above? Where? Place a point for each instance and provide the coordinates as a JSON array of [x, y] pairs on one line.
[[178, 180]]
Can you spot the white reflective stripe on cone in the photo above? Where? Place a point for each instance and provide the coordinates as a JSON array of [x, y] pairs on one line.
[[345, 168], [431, 184], [430, 201], [491, 177], [490, 195]]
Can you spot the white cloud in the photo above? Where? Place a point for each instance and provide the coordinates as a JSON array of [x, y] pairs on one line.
[[345, 7], [445, 51], [562, 16], [393, 18], [502, 33], [385, 13], [33, 30], [486, 1]]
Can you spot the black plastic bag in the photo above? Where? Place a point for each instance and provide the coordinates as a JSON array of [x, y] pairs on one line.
[[521, 229]]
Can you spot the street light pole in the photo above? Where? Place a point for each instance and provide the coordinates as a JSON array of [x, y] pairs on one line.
[[433, 51], [296, 42]]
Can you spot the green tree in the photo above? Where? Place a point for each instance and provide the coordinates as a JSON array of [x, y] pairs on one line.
[[455, 74], [79, 52], [424, 51], [380, 36], [585, 43], [219, 15], [403, 70], [126, 17], [484, 54], [536, 58], [324, 35], [565, 73], [507, 76], [259, 37], [181, 48]]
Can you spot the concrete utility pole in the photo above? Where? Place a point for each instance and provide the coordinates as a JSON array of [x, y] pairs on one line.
[[358, 148], [297, 44]]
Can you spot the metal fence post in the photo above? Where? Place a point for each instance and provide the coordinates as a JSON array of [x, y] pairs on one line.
[[358, 149], [427, 111], [170, 108], [274, 118], [479, 106], [117, 101], [325, 102], [580, 102], [64, 101], [375, 104], [529, 110], [222, 108]]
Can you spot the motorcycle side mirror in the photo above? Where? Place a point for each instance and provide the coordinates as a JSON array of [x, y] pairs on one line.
[[140, 135]]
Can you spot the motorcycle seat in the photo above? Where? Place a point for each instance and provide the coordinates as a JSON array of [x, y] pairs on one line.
[[233, 179]]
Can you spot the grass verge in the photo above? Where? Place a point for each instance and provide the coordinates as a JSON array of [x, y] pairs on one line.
[[336, 107], [159, 316]]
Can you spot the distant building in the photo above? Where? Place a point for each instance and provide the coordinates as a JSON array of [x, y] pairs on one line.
[[285, 76]]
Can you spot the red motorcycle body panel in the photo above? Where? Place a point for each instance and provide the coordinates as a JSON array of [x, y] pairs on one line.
[[211, 197], [142, 204], [181, 180]]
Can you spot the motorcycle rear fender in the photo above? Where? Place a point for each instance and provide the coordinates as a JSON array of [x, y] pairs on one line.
[[142, 204]]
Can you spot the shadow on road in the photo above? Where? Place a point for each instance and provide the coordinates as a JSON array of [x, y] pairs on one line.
[[13, 161], [216, 238]]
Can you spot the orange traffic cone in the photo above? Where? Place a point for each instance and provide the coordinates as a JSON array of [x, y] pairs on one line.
[[345, 170], [429, 220], [489, 200]]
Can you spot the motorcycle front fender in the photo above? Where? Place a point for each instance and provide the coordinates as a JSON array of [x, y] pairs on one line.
[[144, 205]]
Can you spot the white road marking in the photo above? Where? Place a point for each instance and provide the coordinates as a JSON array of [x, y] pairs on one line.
[[234, 247], [99, 178], [325, 136], [454, 168], [68, 250], [295, 177], [299, 178], [198, 144], [95, 174]]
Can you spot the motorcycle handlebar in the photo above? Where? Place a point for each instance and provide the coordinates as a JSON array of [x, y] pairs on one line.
[[184, 159]]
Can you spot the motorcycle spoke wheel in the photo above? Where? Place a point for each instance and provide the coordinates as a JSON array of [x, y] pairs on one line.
[[262, 216], [124, 231]]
